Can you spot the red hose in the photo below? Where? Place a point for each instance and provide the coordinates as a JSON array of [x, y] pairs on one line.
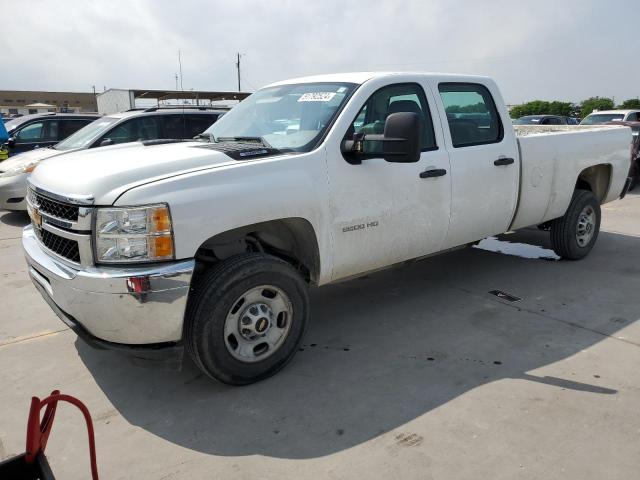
[[38, 431]]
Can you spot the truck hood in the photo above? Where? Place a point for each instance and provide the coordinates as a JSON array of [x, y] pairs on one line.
[[108, 172]]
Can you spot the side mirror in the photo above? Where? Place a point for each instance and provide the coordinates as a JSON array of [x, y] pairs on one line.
[[106, 142], [400, 142], [11, 141]]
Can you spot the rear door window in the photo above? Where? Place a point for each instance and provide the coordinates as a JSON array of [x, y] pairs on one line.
[[196, 124], [135, 130], [50, 133], [67, 127], [471, 113], [173, 126]]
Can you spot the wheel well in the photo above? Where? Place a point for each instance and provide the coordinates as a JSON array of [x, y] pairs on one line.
[[291, 239], [596, 179]]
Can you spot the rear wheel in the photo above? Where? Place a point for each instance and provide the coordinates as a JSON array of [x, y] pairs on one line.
[[247, 318], [635, 175], [574, 234]]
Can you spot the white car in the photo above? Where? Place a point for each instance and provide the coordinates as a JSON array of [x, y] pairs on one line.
[[134, 125], [211, 245], [605, 116]]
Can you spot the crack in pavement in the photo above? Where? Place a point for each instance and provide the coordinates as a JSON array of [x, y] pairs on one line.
[[32, 337]]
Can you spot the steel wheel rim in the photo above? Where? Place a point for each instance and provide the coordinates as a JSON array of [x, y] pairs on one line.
[[586, 227], [258, 323]]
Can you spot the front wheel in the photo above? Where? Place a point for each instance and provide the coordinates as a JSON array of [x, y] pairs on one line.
[[574, 234], [247, 318]]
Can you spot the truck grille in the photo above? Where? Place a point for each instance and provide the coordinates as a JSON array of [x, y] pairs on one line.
[[53, 207], [62, 246]]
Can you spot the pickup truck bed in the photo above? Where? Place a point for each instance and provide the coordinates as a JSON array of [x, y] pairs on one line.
[[554, 156]]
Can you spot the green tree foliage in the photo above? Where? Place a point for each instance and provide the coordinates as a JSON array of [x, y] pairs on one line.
[[479, 107], [595, 103], [632, 103], [541, 107]]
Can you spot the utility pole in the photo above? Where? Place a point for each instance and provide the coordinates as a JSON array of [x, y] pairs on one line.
[[180, 65], [94, 90], [238, 67], [176, 82]]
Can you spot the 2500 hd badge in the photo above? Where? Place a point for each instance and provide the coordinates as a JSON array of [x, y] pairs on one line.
[[360, 226]]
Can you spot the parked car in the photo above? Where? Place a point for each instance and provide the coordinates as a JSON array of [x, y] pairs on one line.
[[634, 171], [43, 129], [542, 120], [135, 125], [605, 116], [211, 245]]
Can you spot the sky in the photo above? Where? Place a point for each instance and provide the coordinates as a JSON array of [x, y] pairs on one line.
[[545, 49]]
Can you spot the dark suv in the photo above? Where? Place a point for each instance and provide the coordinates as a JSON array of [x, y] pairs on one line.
[[140, 125], [43, 129]]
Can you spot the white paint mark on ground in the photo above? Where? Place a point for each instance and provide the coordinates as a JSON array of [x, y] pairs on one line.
[[523, 250]]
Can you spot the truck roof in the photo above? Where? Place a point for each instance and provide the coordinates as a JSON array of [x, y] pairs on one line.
[[361, 77], [616, 111]]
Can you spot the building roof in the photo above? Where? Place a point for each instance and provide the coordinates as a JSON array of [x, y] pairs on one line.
[[186, 94], [39, 105]]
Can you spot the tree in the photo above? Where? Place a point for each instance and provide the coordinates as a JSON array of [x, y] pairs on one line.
[[595, 103], [632, 103], [542, 107]]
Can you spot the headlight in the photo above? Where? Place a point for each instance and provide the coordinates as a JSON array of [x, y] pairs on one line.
[[134, 234], [26, 168]]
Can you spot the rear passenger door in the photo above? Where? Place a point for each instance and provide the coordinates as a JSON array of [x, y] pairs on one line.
[[484, 160]]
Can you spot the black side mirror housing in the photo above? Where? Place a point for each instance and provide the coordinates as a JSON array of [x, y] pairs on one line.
[[400, 142], [106, 142], [11, 141]]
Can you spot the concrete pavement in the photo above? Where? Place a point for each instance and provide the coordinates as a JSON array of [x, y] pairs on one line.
[[414, 373]]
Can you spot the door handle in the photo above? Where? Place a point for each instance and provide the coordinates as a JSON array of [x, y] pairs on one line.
[[434, 172], [503, 161]]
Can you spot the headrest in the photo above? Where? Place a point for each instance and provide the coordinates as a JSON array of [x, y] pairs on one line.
[[404, 106]]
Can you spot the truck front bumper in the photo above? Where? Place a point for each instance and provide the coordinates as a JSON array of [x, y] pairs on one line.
[[137, 310]]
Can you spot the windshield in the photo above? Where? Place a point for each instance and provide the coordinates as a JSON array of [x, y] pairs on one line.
[[287, 117], [527, 120], [596, 118], [11, 124], [83, 137]]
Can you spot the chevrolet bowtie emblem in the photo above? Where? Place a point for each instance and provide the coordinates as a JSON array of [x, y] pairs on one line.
[[35, 216]]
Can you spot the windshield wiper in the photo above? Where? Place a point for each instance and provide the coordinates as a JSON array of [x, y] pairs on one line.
[[260, 140], [206, 136]]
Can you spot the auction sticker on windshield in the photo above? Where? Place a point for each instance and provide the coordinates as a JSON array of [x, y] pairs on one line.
[[317, 97]]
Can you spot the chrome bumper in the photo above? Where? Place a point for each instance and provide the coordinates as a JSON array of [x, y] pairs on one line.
[[135, 306]]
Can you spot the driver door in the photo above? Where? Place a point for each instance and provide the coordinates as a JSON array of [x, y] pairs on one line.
[[382, 212]]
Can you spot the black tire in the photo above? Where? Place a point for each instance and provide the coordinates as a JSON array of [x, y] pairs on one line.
[[635, 175], [213, 298], [564, 230]]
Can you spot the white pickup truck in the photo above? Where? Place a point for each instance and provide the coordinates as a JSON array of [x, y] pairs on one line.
[[211, 245]]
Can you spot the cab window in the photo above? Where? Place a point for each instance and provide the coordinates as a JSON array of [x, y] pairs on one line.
[[406, 97], [471, 113]]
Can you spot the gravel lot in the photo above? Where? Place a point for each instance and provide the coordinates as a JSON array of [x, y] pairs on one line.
[[413, 372]]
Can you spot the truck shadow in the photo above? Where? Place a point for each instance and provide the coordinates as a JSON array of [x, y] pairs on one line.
[[392, 346]]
